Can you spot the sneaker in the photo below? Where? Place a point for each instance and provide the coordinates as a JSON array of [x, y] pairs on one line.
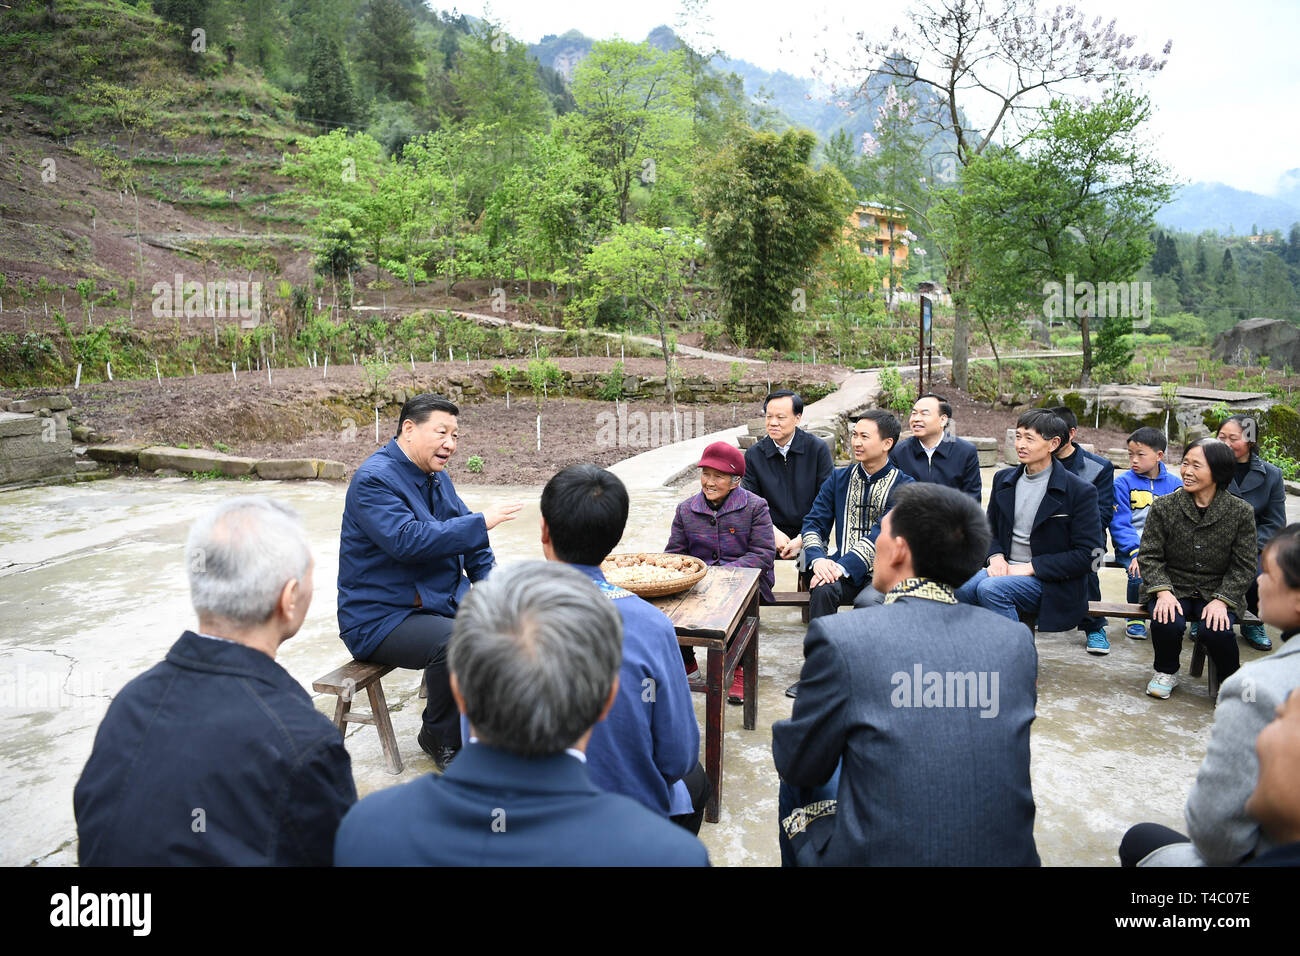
[[692, 666], [1136, 630], [1097, 643], [1162, 685], [1253, 634], [737, 693], [793, 690]]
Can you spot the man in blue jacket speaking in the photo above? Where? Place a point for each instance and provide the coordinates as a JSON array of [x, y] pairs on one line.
[[408, 550]]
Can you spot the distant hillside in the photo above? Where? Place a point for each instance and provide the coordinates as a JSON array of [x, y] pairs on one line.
[[1203, 206]]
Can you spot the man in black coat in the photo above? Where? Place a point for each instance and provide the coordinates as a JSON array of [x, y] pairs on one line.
[[909, 741], [787, 469], [217, 757], [1100, 473], [1046, 534], [931, 454]]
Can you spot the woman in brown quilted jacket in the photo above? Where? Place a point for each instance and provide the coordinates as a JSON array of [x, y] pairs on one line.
[[1197, 558]]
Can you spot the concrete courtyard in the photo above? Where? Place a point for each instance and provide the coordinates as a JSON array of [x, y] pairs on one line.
[[93, 592]]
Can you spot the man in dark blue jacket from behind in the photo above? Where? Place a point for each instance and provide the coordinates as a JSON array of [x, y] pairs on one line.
[[216, 756], [534, 665], [408, 550], [909, 741], [648, 746]]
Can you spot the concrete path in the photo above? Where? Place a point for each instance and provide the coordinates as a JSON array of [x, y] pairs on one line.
[[640, 339]]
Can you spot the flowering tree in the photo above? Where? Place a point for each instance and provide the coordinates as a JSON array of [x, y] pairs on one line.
[[987, 65]]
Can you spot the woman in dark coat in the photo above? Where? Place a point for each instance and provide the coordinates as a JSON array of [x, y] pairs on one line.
[[1197, 558], [1259, 483], [725, 525]]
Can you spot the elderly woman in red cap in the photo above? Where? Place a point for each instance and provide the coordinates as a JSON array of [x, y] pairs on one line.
[[726, 526]]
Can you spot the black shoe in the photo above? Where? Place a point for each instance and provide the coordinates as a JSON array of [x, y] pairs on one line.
[[792, 690], [442, 755]]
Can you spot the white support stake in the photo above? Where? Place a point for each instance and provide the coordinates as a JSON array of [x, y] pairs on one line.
[[77, 383], [326, 373], [376, 424], [157, 374], [268, 373], [109, 366], [450, 357], [539, 432], [234, 377], [412, 354]]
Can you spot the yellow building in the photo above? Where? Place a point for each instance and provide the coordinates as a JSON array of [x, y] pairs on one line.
[[883, 231]]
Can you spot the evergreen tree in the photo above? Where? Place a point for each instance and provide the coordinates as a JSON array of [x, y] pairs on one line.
[[386, 47], [1292, 254], [327, 99]]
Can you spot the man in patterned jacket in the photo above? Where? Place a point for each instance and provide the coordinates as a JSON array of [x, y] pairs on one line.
[[855, 499]]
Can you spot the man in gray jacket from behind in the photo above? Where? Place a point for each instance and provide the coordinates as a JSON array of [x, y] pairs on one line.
[[909, 741]]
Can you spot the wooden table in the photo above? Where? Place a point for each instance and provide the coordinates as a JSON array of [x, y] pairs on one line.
[[720, 613]]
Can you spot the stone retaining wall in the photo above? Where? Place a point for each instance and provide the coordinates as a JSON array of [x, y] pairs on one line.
[[35, 443]]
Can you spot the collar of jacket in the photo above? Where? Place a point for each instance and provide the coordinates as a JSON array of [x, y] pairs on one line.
[[736, 500], [926, 588], [1257, 475], [196, 653], [1219, 505], [946, 441], [1005, 489], [875, 476], [481, 765], [796, 444], [414, 472]]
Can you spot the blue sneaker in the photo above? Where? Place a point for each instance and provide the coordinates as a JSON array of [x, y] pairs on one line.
[[1136, 630], [1097, 643], [1253, 634]]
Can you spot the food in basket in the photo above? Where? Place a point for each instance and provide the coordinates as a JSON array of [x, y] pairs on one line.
[[637, 570]]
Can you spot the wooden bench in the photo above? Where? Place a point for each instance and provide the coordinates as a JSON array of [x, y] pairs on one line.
[[1199, 658], [344, 683], [797, 598]]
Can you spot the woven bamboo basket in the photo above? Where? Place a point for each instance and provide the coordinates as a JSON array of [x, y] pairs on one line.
[[610, 569]]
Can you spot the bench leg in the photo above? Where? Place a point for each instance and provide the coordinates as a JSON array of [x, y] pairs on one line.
[[341, 710], [1198, 660], [387, 739], [424, 684], [1213, 679], [750, 662]]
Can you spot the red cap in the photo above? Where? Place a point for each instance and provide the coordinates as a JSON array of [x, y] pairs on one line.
[[723, 457]]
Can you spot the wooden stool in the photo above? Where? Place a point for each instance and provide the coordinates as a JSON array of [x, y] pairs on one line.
[[344, 683]]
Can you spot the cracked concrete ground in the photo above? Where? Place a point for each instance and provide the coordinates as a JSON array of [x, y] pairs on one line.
[[93, 592]]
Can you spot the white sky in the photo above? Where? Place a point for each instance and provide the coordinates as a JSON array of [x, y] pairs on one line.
[[1226, 104]]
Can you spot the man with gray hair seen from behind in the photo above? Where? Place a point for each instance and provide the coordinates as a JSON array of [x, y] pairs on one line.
[[216, 756], [534, 657]]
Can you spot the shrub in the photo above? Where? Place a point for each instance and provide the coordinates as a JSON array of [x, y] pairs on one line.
[[474, 464], [611, 384]]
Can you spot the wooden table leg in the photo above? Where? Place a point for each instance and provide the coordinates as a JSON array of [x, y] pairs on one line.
[[750, 662], [715, 700]]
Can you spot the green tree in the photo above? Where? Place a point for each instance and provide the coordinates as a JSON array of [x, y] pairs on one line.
[[633, 116], [767, 216], [1078, 201], [496, 84], [387, 50], [327, 98], [647, 266], [987, 66]]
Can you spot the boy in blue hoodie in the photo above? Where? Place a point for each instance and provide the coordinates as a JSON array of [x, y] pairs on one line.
[[1135, 489]]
